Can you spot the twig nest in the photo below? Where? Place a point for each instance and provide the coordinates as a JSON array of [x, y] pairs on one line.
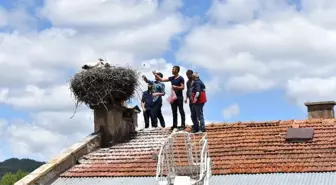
[[106, 85]]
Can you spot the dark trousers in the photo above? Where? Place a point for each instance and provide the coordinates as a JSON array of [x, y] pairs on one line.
[[178, 103], [191, 111], [160, 116], [197, 117], [157, 114], [147, 116]]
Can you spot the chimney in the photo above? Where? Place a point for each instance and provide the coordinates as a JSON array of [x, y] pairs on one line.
[[323, 109], [115, 122]]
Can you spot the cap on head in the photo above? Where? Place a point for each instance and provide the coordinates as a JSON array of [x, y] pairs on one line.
[[195, 75], [159, 74]]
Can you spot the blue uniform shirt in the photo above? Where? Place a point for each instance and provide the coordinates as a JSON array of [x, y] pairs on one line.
[[158, 87], [147, 99], [198, 86]]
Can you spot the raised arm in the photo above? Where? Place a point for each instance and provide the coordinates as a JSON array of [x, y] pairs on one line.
[[159, 78], [146, 80]]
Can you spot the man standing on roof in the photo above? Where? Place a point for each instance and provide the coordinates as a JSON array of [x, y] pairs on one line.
[[177, 83], [189, 88], [146, 104], [198, 98], [158, 92]]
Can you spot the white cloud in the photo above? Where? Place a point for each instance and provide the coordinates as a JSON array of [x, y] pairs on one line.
[[3, 17], [264, 44], [21, 20], [106, 13], [214, 85], [121, 25], [320, 12], [231, 111], [246, 11], [248, 83], [18, 16], [62, 12], [49, 133], [51, 109], [301, 90], [34, 98], [3, 126], [231, 10], [46, 57], [37, 64]]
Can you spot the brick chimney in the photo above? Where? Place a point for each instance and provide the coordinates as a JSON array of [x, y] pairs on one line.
[[323, 109], [115, 122]]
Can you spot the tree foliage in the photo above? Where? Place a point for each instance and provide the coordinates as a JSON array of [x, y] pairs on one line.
[[10, 178], [13, 165]]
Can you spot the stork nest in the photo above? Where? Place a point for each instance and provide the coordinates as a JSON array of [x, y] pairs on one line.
[[100, 86]]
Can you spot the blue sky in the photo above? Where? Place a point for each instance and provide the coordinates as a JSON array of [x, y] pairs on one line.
[[268, 105], [251, 55], [255, 106]]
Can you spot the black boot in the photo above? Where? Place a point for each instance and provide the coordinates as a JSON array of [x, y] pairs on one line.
[[173, 127], [182, 127]]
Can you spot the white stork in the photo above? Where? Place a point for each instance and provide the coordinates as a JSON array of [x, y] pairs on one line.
[[98, 64]]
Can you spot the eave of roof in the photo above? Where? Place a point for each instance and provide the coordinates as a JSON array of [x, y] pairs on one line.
[[327, 178]]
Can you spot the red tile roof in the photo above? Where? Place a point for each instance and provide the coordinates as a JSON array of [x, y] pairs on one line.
[[136, 157], [234, 148]]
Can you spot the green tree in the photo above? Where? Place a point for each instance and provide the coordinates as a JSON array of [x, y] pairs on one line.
[[11, 178], [14, 164]]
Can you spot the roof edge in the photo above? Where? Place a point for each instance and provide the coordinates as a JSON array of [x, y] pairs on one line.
[[50, 171]]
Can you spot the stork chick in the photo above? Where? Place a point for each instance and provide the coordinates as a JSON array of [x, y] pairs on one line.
[[98, 63]]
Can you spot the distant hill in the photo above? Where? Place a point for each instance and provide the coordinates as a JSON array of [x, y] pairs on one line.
[[14, 164]]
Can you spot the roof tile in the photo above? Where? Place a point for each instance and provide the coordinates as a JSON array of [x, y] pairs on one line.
[[132, 158], [251, 147]]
